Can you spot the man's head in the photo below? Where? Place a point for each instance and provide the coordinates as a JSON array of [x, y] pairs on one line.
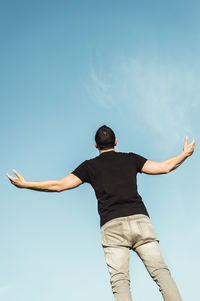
[[105, 138]]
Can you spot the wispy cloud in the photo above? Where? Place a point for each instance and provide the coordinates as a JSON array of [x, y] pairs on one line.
[[162, 95], [101, 90]]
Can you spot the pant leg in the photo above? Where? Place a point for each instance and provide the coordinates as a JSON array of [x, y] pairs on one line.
[[136, 232], [117, 260], [153, 260], [116, 252]]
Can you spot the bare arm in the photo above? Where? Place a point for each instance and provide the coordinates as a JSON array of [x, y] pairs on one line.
[[68, 182], [156, 168]]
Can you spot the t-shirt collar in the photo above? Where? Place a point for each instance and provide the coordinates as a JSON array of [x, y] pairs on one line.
[[111, 151]]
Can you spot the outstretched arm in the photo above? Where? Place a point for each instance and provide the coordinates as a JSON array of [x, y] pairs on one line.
[[156, 168], [68, 182]]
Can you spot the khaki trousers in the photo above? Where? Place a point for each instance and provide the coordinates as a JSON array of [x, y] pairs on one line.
[[135, 232]]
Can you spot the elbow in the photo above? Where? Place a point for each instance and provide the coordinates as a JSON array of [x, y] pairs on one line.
[[166, 168], [58, 187]]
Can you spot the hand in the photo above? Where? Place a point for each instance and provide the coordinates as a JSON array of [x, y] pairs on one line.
[[188, 148], [19, 181]]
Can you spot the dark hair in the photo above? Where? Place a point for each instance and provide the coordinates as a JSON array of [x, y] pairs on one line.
[[105, 137]]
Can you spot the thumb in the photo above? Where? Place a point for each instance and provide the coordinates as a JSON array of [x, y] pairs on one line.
[[186, 140], [193, 142]]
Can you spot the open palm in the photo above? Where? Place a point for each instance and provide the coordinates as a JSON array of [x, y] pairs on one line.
[[18, 181]]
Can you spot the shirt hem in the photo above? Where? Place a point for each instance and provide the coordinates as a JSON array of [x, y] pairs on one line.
[[106, 219]]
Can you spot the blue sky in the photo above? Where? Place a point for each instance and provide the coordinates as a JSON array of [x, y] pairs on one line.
[[68, 67]]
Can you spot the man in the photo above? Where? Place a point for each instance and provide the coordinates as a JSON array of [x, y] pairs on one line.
[[125, 223]]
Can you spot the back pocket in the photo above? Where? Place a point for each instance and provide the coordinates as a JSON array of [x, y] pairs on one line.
[[146, 230], [113, 234]]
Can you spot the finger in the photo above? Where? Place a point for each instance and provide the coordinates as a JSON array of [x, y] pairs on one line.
[[186, 140], [192, 143], [16, 173], [11, 178]]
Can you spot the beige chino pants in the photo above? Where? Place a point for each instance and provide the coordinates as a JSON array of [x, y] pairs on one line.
[[135, 232]]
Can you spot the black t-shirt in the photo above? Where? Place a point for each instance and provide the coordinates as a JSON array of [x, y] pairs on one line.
[[113, 177]]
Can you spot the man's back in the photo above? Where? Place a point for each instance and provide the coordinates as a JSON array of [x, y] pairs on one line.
[[113, 177]]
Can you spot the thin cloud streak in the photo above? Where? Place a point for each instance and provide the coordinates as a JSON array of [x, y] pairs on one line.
[[101, 90], [162, 95]]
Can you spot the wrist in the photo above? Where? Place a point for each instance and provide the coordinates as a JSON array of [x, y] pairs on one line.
[[25, 184], [186, 154]]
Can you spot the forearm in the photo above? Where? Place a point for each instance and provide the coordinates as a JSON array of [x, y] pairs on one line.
[[68, 182], [49, 186], [174, 162]]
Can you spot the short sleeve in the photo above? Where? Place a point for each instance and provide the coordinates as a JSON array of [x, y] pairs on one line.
[[82, 172], [139, 161]]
